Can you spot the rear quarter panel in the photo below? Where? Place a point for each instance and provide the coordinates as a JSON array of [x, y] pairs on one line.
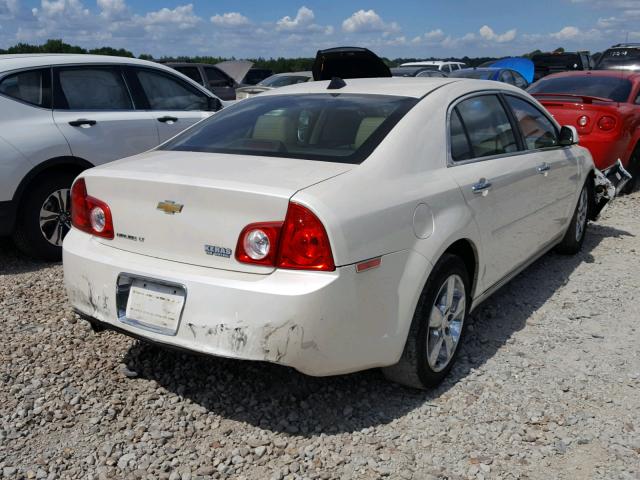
[[13, 168], [369, 211], [31, 131]]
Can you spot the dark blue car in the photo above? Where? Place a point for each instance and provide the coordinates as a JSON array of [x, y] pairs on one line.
[[504, 75]]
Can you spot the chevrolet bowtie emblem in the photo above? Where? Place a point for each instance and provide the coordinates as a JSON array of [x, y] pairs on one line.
[[169, 207]]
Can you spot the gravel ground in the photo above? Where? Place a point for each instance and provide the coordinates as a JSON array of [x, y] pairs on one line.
[[547, 387]]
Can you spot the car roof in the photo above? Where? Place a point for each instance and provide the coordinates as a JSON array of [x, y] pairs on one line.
[[415, 87], [627, 74], [482, 69], [17, 61], [187, 64], [285, 74], [430, 62]]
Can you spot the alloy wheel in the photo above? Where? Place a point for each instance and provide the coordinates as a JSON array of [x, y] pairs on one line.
[[445, 323], [581, 214], [55, 216]]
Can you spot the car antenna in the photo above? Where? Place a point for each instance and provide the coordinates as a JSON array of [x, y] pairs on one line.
[[336, 83]]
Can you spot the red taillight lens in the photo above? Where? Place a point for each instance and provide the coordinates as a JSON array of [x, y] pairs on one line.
[[606, 123], [300, 243], [258, 243], [90, 214], [304, 243]]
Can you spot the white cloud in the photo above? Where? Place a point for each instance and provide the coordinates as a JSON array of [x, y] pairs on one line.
[[304, 17], [53, 8], [368, 21], [112, 8], [567, 33], [434, 35], [487, 33], [302, 22], [182, 16], [230, 20], [9, 8]]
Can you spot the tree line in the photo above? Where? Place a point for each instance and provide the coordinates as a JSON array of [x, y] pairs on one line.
[[277, 65]]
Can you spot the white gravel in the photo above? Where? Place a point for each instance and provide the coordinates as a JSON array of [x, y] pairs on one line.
[[547, 387]]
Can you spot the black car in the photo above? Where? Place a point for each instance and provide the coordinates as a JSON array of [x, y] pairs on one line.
[[348, 62], [417, 72], [548, 63], [210, 76], [256, 75], [623, 56]]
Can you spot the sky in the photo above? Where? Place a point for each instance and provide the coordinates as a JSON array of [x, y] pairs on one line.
[[297, 28]]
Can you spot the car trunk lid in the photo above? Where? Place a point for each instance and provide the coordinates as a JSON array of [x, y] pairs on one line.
[[569, 109], [191, 207]]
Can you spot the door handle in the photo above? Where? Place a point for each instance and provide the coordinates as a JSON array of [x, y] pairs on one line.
[[168, 119], [82, 122], [482, 187], [545, 167]]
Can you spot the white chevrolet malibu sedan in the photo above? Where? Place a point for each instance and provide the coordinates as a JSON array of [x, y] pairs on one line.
[[329, 226]]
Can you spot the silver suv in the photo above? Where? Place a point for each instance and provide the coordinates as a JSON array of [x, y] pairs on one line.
[[62, 114]]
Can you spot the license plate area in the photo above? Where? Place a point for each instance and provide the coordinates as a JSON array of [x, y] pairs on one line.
[[150, 304]]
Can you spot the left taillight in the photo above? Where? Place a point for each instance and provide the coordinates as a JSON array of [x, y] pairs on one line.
[[88, 213]]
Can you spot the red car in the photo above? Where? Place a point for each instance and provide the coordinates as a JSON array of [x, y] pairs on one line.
[[604, 106]]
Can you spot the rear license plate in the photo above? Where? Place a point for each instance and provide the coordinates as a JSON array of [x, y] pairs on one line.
[[155, 306]]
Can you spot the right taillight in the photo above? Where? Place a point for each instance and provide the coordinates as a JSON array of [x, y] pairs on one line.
[[304, 243], [88, 213], [300, 242], [607, 123]]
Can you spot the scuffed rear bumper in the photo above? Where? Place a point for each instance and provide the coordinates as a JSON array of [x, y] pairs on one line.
[[320, 323]]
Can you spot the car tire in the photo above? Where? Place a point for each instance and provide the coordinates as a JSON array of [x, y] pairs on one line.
[[44, 217], [441, 312], [574, 237]]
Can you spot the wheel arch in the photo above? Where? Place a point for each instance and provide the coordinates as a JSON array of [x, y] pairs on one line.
[[67, 164], [468, 253]]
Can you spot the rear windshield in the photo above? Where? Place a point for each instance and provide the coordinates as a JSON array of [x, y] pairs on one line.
[[283, 80], [331, 127], [478, 74], [626, 58], [612, 88]]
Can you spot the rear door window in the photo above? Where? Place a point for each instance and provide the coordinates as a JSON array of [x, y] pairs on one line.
[[460, 147], [538, 131], [91, 88], [32, 87], [168, 92], [487, 126]]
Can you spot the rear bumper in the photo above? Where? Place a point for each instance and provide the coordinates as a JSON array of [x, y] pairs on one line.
[[7, 217], [320, 323]]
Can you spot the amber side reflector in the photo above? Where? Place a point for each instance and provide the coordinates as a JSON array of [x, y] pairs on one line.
[[373, 263]]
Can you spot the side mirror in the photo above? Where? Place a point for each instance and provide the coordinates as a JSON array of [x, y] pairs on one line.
[[213, 104], [568, 136]]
